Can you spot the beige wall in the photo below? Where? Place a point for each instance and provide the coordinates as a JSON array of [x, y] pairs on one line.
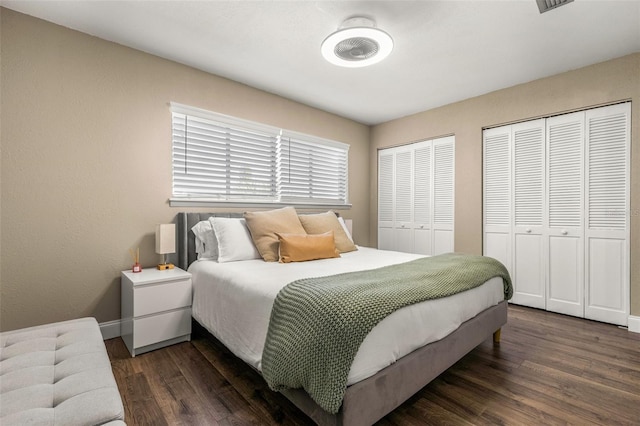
[[86, 163], [598, 84], [85, 168]]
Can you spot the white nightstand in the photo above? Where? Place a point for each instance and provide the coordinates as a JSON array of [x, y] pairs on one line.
[[156, 308]]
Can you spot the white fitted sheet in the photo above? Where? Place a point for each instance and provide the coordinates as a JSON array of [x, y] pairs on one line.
[[234, 300]]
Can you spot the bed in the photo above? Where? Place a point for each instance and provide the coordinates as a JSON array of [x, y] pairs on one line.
[[398, 357]]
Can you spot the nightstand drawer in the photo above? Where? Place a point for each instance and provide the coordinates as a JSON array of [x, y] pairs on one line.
[[160, 297], [158, 328]]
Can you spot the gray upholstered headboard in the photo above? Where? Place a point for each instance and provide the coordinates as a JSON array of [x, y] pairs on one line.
[[186, 245]]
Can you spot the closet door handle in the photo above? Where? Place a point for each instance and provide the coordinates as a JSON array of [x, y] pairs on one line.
[[528, 230], [564, 232]]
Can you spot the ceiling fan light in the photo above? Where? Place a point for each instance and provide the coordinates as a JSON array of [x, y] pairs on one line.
[[357, 44]]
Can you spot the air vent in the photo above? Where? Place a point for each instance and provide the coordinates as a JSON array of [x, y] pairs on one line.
[[546, 5]]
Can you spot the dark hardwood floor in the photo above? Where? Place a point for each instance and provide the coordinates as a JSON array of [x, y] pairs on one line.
[[548, 369]]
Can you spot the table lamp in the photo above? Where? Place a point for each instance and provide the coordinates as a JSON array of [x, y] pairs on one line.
[[165, 243]]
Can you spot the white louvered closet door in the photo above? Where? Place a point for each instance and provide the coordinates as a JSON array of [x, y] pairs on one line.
[[403, 201], [607, 204], [443, 194], [556, 211], [416, 197], [528, 214], [422, 194], [564, 231], [385, 199], [497, 194]]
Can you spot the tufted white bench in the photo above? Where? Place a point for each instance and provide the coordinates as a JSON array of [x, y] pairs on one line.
[[57, 374]]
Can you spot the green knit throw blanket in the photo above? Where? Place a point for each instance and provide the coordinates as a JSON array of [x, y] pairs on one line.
[[318, 324]]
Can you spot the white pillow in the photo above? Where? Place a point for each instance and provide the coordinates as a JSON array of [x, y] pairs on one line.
[[344, 226], [234, 239], [206, 242]]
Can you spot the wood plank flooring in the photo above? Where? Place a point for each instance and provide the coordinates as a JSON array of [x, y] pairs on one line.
[[548, 369]]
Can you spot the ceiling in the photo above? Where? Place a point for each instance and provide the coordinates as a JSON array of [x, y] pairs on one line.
[[445, 51]]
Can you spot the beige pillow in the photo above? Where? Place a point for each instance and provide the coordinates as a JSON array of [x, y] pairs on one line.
[[264, 225], [324, 222], [302, 247]]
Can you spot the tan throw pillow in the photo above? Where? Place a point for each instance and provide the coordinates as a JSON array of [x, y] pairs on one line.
[[302, 247], [264, 225], [324, 222]]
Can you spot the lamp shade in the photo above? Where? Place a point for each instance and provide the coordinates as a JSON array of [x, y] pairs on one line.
[[166, 238]]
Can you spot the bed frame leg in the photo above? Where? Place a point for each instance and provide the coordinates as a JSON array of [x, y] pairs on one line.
[[496, 336]]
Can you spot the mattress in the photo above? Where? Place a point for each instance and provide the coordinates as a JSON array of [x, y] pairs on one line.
[[233, 302]]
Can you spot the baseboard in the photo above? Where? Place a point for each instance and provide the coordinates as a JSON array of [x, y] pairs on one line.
[[110, 329], [634, 324]]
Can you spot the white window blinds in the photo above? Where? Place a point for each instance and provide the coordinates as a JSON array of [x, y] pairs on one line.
[[222, 159], [222, 162], [310, 171]]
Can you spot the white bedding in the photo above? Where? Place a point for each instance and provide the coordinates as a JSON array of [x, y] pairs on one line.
[[233, 301]]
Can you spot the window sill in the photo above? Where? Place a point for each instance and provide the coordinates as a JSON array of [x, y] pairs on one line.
[[203, 202]]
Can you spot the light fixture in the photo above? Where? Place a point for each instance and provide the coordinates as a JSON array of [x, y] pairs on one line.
[[165, 243], [357, 43]]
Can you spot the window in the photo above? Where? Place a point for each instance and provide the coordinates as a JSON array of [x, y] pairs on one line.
[[223, 160]]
